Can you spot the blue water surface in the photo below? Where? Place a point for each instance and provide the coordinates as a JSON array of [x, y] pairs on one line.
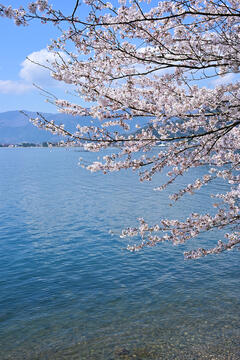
[[69, 289]]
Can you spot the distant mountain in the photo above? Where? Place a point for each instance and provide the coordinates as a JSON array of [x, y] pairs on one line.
[[146, 127], [15, 128]]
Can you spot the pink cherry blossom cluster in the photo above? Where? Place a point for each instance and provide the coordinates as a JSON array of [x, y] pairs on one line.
[[21, 15], [173, 63]]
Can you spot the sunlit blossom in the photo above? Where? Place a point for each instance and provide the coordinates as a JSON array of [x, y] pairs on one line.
[[183, 45]]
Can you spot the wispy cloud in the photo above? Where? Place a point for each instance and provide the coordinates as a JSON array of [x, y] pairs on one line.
[[223, 80], [14, 87], [36, 68]]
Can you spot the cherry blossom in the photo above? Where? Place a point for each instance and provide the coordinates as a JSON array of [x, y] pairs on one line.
[[166, 62]]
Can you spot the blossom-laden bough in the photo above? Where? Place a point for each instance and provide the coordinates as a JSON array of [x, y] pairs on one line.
[[175, 63]]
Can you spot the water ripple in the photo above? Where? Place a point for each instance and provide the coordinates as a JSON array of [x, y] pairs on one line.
[[70, 290]]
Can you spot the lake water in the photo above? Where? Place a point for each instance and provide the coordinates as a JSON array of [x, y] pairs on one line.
[[70, 290]]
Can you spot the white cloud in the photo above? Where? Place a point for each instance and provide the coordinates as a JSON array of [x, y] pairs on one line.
[[36, 68], [14, 87], [222, 80], [32, 72]]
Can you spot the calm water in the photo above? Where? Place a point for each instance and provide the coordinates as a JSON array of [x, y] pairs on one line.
[[70, 290]]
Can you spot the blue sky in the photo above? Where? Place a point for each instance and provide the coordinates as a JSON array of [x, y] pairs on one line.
[[17, 74]]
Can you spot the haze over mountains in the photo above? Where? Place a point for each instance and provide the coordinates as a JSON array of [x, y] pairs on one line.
[[15, 128]]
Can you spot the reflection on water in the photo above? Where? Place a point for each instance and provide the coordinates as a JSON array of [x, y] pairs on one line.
[[70, 290]]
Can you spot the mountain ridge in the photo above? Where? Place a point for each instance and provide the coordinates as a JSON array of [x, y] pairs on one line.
[[16, 128]]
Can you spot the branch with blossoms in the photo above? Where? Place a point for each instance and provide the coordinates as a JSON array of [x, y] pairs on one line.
[[176, 64], [179, 232]]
